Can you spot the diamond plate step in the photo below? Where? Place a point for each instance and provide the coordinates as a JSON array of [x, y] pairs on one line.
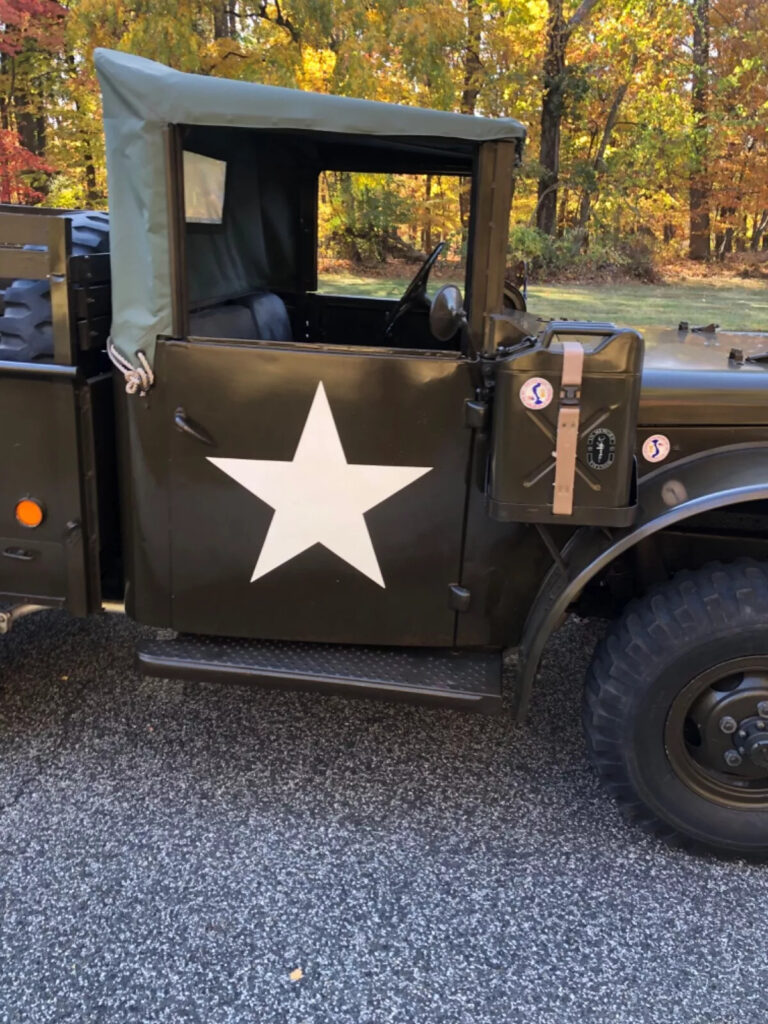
[[460, 679]]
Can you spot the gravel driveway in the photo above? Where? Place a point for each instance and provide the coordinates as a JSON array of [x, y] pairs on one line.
[[173, 852]]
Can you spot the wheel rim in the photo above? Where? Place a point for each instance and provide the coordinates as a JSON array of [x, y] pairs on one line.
[[716, 734]]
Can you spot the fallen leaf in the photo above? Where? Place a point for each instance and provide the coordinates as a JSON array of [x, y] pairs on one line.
[[296, 975]]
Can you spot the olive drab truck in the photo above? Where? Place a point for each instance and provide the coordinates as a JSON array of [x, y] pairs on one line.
[[373, 496]]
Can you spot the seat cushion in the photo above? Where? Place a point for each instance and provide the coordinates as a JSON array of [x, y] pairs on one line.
[[270, 317], [227, 321]]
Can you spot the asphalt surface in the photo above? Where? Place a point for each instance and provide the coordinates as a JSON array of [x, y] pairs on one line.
[[172, 852]]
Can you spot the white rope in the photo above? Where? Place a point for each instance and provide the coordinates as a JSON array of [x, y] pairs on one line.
[[137, 378]]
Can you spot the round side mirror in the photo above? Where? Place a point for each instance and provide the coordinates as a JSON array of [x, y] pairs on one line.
[[446, 314]]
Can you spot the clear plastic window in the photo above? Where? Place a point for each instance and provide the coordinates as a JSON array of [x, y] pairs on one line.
[[204, 183]]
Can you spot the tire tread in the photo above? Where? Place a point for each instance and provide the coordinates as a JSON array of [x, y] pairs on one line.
[[689, 607]]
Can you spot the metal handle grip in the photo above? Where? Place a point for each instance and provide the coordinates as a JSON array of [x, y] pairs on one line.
[[19, 554], [602, 330], [191, 428]]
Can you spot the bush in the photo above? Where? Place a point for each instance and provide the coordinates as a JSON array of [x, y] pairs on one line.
[[567, 256], [361, 217]]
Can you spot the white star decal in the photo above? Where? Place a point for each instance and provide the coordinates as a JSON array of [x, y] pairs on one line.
[[318, 497]]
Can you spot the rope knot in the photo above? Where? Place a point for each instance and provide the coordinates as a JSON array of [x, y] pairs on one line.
[[137, 378]]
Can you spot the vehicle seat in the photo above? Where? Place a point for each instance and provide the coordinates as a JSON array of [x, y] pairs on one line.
[[230, 320], [270, 317], [261, 316]]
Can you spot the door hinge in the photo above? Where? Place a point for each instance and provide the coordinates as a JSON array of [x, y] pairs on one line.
[[459, 597], [475, 414]]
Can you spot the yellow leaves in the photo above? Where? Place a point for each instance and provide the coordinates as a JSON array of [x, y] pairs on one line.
[[538, 10], [316, 71], [297, 974]]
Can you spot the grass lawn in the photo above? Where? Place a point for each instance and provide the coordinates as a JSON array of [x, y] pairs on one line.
[[735, 305]]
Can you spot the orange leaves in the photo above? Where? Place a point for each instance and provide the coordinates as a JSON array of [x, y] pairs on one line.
[[15, 163]]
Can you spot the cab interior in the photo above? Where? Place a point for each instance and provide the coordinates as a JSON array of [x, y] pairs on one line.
[[250, 202]]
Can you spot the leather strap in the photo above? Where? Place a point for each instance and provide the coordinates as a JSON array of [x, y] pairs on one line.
[[566, 442]]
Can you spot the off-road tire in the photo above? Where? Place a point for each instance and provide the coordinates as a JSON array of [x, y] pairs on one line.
[[676, 633], [25, 325]]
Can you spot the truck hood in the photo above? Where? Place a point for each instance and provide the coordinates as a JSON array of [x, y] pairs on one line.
[[689, 380]]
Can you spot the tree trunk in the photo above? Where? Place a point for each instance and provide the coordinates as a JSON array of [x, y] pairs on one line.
[[5, 98], [610, 124], [551, 117], [426, 230], [562, 217], [699, 246], [726, 243], [724, 235], [92, 196], [31, 129], [223, 19], [473, 70], [761, 224], [559, 31]]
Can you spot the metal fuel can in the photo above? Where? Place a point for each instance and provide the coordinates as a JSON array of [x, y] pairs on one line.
[[564, 419]]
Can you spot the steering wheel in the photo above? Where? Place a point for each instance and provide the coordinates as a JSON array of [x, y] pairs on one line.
[[416, 292]]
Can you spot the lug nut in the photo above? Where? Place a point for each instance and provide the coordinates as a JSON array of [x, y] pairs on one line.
[[742, 734], [760, 724], [728, 724], [732, 758], [762, 709]]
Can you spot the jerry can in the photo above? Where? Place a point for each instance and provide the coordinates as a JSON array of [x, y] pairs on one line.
[[564, 421]]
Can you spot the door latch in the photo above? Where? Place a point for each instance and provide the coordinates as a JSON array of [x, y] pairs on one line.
[[187, 426]]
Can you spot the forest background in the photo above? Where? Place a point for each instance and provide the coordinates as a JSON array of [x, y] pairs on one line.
[[647, 142]]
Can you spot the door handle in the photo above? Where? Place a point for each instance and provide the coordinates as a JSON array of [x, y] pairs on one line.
[[19, 554], [187, 426]]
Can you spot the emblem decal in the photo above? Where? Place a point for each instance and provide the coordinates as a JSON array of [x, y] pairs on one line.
[[318, 497], [656, 448], [601, 448], [536, 393]]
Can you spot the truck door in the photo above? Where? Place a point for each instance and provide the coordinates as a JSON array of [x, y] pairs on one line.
[[317, 492]]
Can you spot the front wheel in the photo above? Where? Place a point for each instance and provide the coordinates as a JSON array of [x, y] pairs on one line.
[[676, 709]]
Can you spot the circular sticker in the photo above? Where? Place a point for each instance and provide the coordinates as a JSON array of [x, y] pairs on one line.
[[536, 393], [656, 448], [601, 448]]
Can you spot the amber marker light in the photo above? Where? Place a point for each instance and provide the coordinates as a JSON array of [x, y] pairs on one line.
[[29, 512]]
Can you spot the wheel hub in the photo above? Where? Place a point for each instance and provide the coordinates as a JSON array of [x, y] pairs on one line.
[[756, 749], [723, 718]]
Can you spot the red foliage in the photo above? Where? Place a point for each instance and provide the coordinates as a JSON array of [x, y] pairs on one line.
[[36, 21], [15, 161]]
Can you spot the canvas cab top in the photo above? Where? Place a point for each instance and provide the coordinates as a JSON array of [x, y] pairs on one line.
[[273, 141]]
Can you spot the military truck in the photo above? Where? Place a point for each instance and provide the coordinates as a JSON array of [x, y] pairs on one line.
[[371, 496]]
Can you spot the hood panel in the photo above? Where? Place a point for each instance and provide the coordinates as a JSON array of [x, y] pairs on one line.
[[687, 379]]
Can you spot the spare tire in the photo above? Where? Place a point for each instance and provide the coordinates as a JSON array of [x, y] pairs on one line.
[[25, 326]]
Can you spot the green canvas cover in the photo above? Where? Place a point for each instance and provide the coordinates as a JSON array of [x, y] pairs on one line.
[[142, 97]]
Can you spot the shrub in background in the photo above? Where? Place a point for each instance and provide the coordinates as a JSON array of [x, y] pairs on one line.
[[569, 255]]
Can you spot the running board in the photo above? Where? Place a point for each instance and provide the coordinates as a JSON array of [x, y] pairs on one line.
[[458, 679]]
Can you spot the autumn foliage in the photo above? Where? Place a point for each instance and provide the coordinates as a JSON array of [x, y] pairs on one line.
[[36, 22], [647, 118], [16, 163]]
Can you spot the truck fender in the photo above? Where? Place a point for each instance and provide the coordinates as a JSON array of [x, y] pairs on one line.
[[666, 496]]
